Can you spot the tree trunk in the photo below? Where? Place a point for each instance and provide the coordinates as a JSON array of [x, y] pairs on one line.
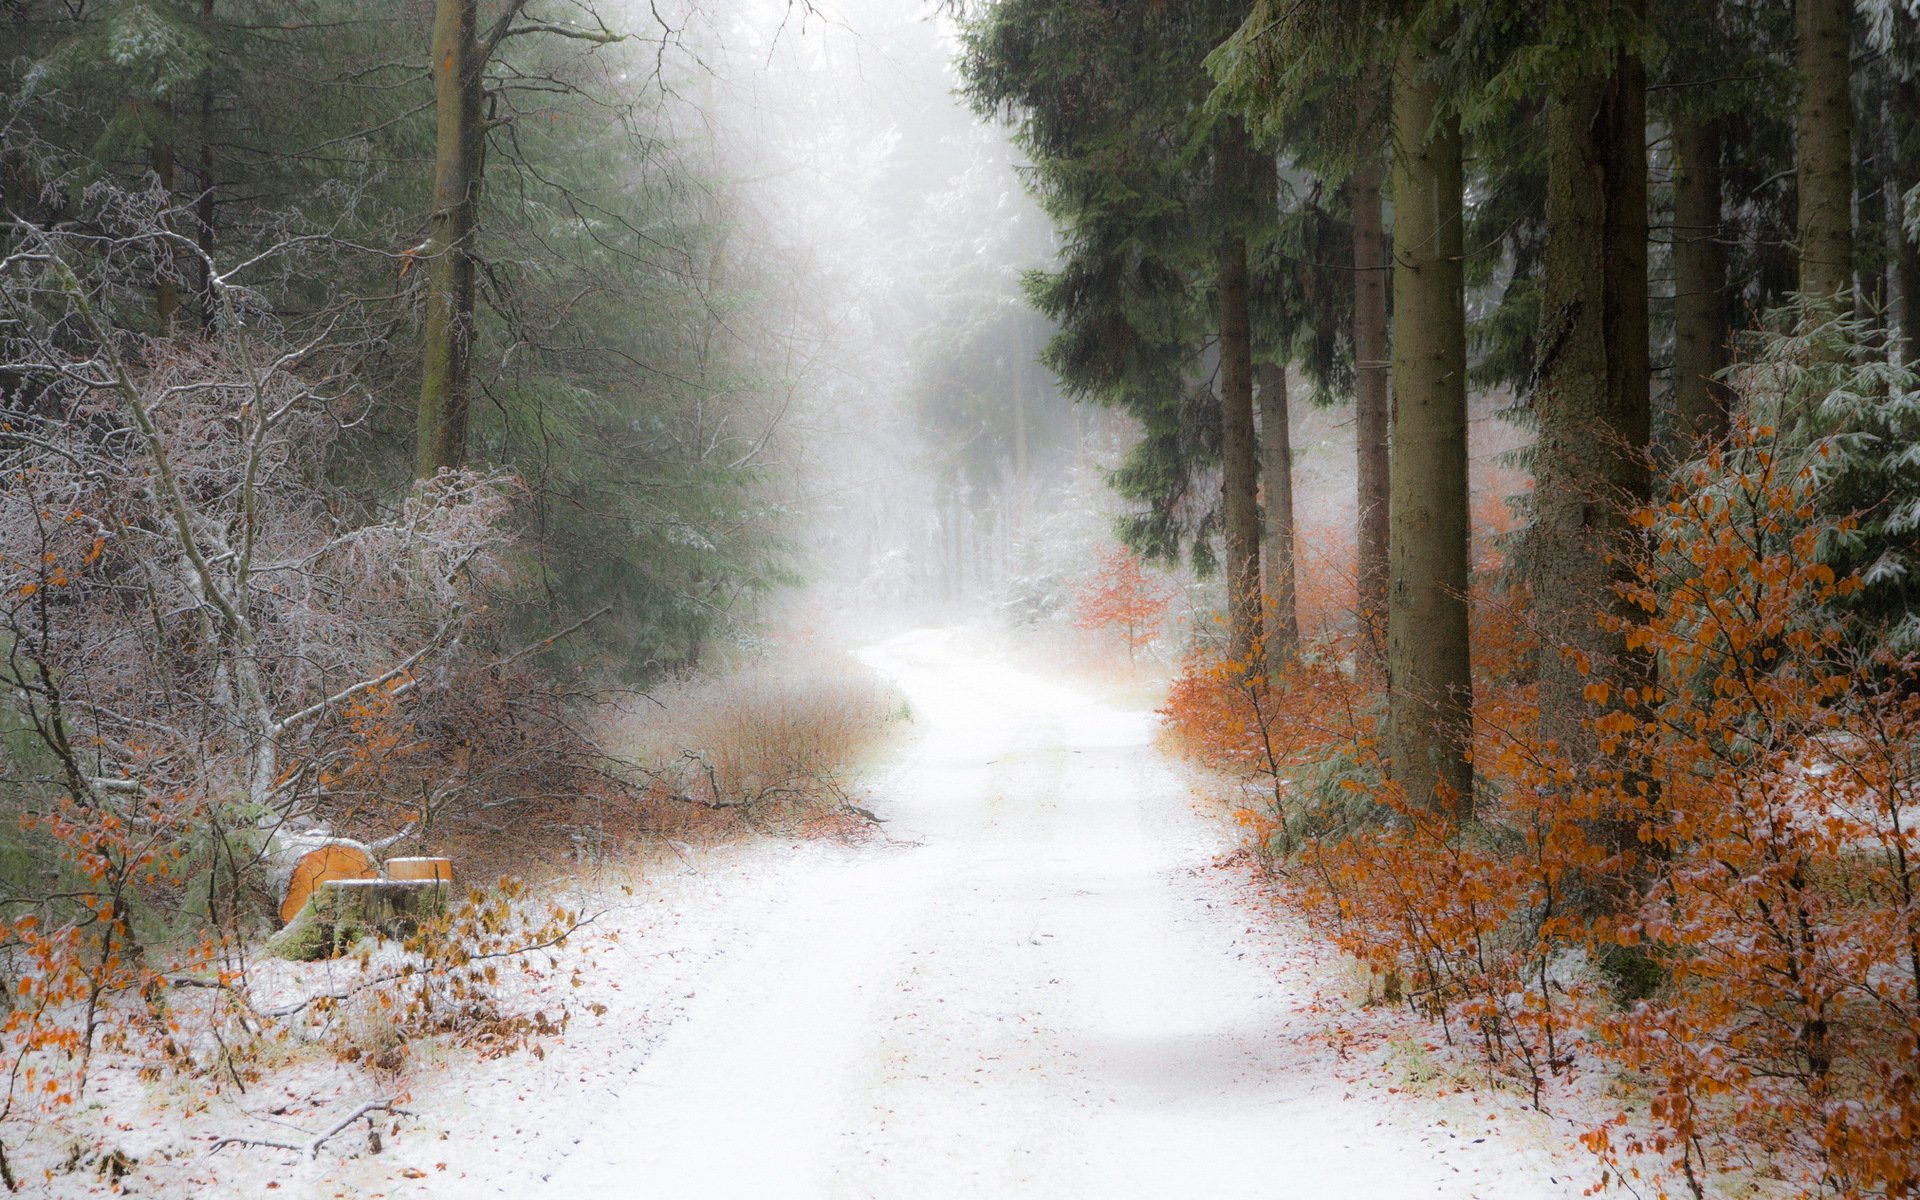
[[1022, 369], [166, 282], [1430, 705], [1906, 170], [1823, 146], [1276, 484], [342, 912], [297, 867], [1873, 168], [1239, 478], [1370, 407], [1591, 461], [445, 378], [1702, 318], [203, 204]]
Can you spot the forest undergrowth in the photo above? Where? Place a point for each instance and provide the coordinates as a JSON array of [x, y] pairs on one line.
[[1702, 940], [127, 997]]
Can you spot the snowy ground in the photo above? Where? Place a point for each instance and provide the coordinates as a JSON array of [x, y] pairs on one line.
[[1040, 984]]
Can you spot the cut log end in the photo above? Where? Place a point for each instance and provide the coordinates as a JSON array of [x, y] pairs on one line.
[[320, 866], [420, 868]]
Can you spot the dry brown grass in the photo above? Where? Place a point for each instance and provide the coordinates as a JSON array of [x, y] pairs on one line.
[[762, 747], [768, 746]]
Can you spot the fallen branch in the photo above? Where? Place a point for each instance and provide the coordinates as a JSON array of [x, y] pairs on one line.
[[415, 971], [311, 1147], [547, 642]]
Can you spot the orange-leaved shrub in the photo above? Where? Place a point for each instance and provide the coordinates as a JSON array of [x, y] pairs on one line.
[[1120, 595], [1719, 906], [80, 968], [451, 976], [1780, 768]]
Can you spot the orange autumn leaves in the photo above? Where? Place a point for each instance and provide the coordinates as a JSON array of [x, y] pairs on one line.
[[1121, 596], [1722, 906]]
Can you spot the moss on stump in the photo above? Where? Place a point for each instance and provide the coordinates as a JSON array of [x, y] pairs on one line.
[[341, 912]]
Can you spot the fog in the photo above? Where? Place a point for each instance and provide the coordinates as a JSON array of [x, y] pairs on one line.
[[931, 458]]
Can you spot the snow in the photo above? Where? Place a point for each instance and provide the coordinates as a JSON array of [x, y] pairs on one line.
[[1045, 980]]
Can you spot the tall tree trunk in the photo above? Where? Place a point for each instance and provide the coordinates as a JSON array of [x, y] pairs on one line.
[[1239, 476], [1874, 169], [203, 205], [1370, 406], [1276, 485], [1823, 146], [446, 371], [1022, 380], [1591, 460], [1702, 316], [166, 282], [1907, 168], [1431, 701]]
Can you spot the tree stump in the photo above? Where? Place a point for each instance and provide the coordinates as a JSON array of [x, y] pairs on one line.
[[420, 868], [341, 912], [391, 907]]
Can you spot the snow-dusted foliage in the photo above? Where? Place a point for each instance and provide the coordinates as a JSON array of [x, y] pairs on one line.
[[185, 603], [1855, 418], [1058, 549]]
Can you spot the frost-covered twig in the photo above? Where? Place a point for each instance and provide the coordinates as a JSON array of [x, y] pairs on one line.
[[312, 1146]]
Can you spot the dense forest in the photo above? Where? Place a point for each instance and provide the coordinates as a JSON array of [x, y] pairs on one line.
[[447, 428], [1611, 759]]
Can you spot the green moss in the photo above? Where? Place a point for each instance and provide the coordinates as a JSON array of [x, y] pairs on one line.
[[316, 932]]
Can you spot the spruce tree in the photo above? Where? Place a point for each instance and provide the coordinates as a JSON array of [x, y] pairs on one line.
[[1592, 397], [1431, 687], [1158, 202], [1823, 146]]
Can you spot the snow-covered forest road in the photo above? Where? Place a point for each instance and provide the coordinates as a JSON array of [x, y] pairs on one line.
[[1037, 990], [1039, 984]]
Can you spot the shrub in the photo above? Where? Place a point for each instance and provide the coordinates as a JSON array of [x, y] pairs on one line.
[[768, 742], [1757, 924]]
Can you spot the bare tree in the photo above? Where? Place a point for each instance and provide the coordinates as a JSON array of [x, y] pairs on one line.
[[185, 607]]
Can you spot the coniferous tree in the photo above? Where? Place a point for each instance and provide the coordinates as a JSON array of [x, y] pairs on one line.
[[1592, 398], [446, 383], [1823, 146], [1372, 410], [1279, 61], [1698, 113], [1158, 200], [1431, 688], [1235, 170], [1282, 620]]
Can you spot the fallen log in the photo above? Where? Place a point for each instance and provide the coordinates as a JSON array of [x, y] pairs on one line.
[[298, 863], [333, 861]]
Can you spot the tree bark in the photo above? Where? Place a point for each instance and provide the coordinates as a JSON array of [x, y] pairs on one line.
[[1431, 689], [1276, 484], [1370, 407], [1022, 467], [1239, 476], [446, 369], [166, 282], [1823, 146], [203, 205], [1591, 460], [1702, 316], [1906, 168]]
